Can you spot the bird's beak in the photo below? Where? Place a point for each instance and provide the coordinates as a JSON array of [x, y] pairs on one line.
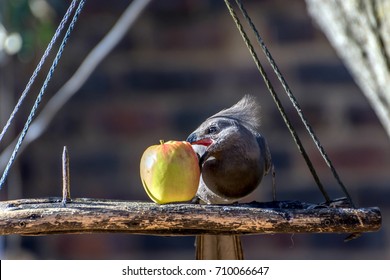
[[193, 139]]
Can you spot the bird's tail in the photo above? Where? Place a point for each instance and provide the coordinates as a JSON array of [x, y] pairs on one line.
[[219, 247]]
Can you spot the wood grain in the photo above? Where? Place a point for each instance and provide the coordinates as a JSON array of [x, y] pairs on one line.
[[85, 215]]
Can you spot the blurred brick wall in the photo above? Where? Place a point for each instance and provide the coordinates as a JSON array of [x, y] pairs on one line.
[[181, 62]]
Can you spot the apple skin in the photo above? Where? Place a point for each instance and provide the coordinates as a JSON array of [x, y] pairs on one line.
[[170, 172]]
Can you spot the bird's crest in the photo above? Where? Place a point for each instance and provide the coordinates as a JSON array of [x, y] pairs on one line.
[[246, 111]]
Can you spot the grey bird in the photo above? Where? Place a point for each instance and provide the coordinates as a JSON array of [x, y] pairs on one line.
[[234, 157]]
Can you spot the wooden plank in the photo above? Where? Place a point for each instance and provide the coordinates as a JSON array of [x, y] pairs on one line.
[[48, 216]]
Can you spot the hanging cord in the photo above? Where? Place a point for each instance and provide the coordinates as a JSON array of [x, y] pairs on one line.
[[277, 101], [41, 93], [38, 68], [86, 68], [294, 101]]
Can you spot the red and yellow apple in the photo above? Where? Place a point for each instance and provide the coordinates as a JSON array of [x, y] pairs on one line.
[[170, 172]]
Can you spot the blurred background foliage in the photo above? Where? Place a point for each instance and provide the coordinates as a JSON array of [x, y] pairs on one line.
[[33, 20]]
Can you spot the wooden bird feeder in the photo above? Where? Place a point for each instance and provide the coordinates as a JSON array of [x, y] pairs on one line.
[[64, 215]]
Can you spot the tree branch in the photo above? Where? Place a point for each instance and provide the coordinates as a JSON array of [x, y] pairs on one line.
[[85, 215], [359, 32]]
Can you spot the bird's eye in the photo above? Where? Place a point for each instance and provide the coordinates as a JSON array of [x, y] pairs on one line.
[[212, 129]]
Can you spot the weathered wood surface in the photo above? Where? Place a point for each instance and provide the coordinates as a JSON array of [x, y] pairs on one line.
[[48, 216]]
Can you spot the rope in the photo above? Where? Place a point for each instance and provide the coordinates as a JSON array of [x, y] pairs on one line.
[[41, 93], [38, 68], [71, 87], [277, 100], [294, 102]]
